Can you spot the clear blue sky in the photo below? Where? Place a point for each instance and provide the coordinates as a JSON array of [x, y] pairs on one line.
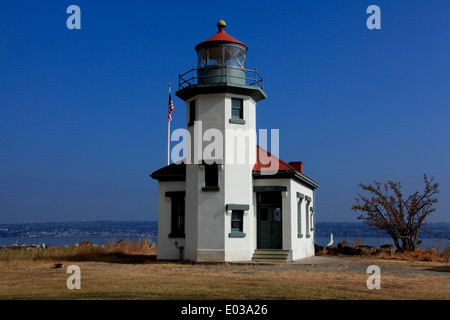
[[83, 113]]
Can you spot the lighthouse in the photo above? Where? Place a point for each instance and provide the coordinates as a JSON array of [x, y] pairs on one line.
[[220, 204]]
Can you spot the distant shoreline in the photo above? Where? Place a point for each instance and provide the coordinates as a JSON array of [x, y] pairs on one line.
[[321, 241], [124, 229]]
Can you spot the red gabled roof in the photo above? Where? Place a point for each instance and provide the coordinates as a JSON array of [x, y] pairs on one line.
[[264, 159]]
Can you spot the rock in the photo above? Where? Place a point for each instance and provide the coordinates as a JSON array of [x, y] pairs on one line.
[[318, 248], [389, 248], [375, 250], [332, 250], [350, 251]]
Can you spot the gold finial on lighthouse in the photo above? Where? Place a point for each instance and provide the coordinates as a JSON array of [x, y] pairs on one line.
[[221, 24]]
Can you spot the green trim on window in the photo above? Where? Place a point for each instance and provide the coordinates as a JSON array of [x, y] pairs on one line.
[[270, 189], [312, 209], [237, 121], [308, 236], [210, 188], [300, 235], [300, 195], [308, 198], [243, 207], [236, 234]]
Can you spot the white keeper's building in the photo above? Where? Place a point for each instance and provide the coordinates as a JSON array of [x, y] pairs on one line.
[[219, 209]]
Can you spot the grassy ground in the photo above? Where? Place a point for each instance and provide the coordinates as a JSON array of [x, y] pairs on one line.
[[132, 273]]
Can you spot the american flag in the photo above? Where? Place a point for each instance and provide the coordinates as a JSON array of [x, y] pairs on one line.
[[170, 107]]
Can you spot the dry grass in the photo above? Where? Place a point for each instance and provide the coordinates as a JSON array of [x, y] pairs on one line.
[[104, 280], [128, 270], [429, 255], [84, 252]]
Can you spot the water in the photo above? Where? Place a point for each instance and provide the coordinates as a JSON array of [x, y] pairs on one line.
[[63, 241]]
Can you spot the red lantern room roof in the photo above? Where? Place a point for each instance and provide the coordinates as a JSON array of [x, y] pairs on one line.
[[220, 37]]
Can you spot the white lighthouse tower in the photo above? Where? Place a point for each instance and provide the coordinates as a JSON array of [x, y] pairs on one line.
[[218, 205], [222, 95]]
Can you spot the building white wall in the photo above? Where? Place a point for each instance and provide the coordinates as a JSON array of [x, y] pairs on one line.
[[302, 245], [240, 157], [299, 247], [208, 223], [207, 234], [204, 209], [166, 246]]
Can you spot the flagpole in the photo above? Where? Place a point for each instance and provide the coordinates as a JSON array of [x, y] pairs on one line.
[[168, 134]]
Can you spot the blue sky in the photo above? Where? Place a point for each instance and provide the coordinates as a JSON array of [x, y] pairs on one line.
[[83, 113]]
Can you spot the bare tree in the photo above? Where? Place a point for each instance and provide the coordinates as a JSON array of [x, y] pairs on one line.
[[402, 219]]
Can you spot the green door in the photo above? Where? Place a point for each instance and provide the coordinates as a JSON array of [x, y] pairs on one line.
[[269, 233]]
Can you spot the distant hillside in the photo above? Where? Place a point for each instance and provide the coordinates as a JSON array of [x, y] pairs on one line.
[[355, 229]]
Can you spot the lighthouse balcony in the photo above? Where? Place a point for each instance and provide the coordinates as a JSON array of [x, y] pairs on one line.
[[220, 74], [221, 78]]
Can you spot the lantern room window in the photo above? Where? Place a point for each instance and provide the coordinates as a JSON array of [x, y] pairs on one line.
[[234, 56], [215, 56], [202, 58], [220, 55]]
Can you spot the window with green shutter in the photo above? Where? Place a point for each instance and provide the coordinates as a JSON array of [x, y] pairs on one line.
[[237, 224], [237, 111]]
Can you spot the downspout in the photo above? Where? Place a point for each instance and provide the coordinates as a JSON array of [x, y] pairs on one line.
[[181, 250], [314, 220]]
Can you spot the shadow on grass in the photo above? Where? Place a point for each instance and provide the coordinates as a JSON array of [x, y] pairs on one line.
[[440, 269], [116, 258], [130, 258]]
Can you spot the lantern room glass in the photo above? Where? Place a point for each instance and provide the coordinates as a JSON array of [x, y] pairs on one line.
[[220, 55]]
